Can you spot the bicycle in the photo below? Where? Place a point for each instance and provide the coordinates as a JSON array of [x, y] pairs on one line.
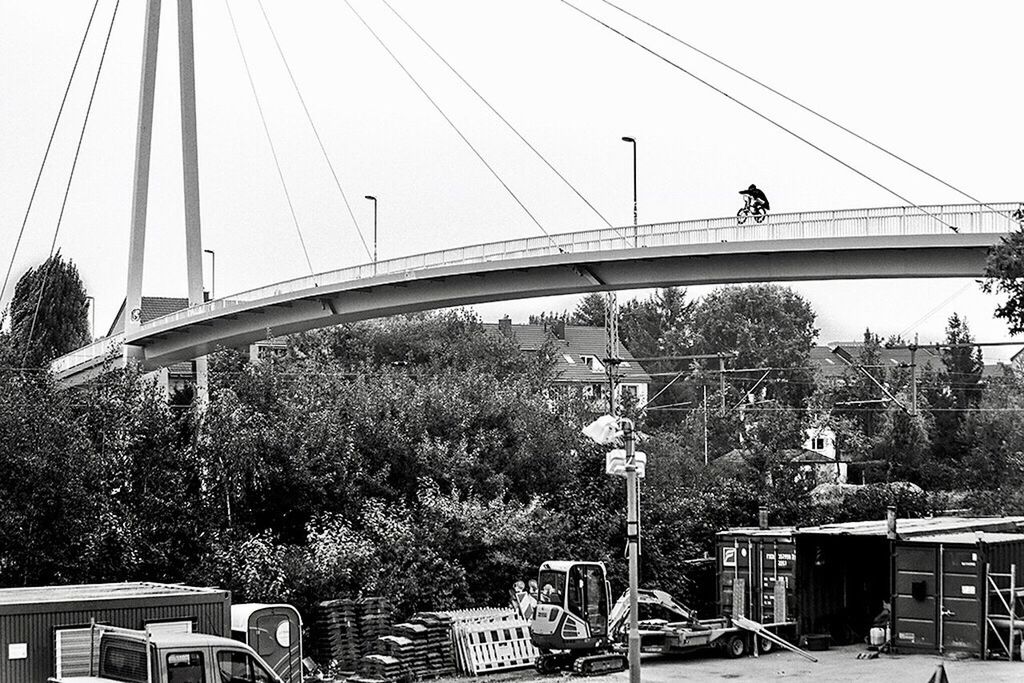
[[751, 210]]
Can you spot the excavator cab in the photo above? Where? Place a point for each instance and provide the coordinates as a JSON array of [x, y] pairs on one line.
[[571, 622]]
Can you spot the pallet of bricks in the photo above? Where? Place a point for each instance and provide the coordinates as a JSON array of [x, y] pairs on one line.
[[413, 650], [491, 639], [347, 630]]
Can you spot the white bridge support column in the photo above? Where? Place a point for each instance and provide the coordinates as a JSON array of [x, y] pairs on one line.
[[140, 194], [190, 165]]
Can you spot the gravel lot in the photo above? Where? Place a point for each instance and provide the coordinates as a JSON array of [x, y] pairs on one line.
[[835, 665]]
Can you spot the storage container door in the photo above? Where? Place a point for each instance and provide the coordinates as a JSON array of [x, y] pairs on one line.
[[916, 607], [961, 601]]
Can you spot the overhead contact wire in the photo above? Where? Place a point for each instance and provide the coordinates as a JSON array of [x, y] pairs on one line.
[[760, 115], [67, 188], [316, 133], [46, 154], [454, 127], [503, 119], [270, 140], [806, 108]]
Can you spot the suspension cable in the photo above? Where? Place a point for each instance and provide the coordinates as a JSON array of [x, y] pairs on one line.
[[67, 188], [46, 154], [316, 133], [806, 108], [455, 128], [270, 140], [757, 113], [502, 118]]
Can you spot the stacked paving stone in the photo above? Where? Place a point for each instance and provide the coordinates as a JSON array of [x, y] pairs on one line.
[[375, 618], [381, 669], [336, 633], [416, 649], [347, 630]]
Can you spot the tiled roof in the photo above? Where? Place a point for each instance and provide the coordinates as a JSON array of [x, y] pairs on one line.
[[580, 341], [153, 307], [830, 365]]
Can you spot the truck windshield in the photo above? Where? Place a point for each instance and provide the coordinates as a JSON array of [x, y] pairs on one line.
[[123, 660]]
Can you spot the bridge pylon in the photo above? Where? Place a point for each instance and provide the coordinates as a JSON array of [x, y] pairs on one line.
[[190, 165]]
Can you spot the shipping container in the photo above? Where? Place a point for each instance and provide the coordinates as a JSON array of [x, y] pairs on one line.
[[947, 592], [45, 631], [754, 565], [844, 571], [275, 633]]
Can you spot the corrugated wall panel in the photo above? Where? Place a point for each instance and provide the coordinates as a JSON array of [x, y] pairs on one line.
[[38, 631]]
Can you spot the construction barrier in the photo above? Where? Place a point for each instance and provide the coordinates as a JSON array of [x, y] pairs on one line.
[[488, 640]]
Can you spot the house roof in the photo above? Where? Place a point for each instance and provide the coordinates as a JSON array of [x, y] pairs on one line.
[[830, 365], [153, 307], [580, 341], [805, 456]]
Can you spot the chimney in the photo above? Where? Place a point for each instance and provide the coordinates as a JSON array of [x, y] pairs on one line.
[[558, 328], [505, 326], [762, 517], [890, 523]]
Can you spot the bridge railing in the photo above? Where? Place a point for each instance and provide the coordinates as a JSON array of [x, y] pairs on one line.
[[967, 218], [899, 220], [91, 354]]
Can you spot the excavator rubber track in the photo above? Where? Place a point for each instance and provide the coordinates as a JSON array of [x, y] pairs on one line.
[[597, 665]]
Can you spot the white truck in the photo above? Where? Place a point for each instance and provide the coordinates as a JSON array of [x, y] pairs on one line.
[[128, 656]]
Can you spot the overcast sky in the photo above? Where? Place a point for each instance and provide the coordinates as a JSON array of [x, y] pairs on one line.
[[937, 82]]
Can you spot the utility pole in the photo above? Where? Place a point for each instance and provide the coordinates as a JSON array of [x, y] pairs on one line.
[[705, 425], [612, 359]]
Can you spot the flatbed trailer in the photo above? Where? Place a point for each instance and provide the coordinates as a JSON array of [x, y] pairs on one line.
[[717, 634]]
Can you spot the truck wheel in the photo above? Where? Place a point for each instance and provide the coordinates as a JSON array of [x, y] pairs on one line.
[[764, 646], [736, 646]]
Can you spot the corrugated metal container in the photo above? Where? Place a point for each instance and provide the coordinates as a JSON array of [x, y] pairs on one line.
[[843, 570], [38, 623], [756, 560], [942, 594]]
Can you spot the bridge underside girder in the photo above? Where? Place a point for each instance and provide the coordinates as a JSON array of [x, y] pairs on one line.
[[243, 323]]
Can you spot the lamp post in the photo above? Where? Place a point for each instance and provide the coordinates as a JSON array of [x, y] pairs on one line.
[[213, 271], [632, 141], [605, 431], [374, 200], [633, 545]]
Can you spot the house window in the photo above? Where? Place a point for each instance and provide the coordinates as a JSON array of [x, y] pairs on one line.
[[629, 391], [818, 443]]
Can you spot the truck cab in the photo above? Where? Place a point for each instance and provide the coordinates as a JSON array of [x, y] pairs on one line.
[[127, 656]]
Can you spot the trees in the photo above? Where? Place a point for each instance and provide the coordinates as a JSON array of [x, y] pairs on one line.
[[589, 311], [1004, 275], [767, 326], [48, 313]]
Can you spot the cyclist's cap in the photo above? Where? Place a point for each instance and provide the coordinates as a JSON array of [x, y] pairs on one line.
[[752, 187]]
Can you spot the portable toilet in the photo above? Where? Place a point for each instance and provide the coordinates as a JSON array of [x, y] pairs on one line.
[[275, 633]]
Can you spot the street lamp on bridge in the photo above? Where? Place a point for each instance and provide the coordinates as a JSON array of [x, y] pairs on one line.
[[632, 141], [374, 200], [213, 271]]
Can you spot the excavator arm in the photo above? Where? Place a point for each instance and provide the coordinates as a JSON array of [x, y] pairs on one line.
[[652, 602]]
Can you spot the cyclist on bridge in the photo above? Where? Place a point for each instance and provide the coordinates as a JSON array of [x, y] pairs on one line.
[[757, 199]]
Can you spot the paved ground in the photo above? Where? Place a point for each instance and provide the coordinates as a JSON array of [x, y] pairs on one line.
[[836, 665]]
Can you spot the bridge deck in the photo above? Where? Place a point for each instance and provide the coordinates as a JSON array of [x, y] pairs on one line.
[[892, 227]]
